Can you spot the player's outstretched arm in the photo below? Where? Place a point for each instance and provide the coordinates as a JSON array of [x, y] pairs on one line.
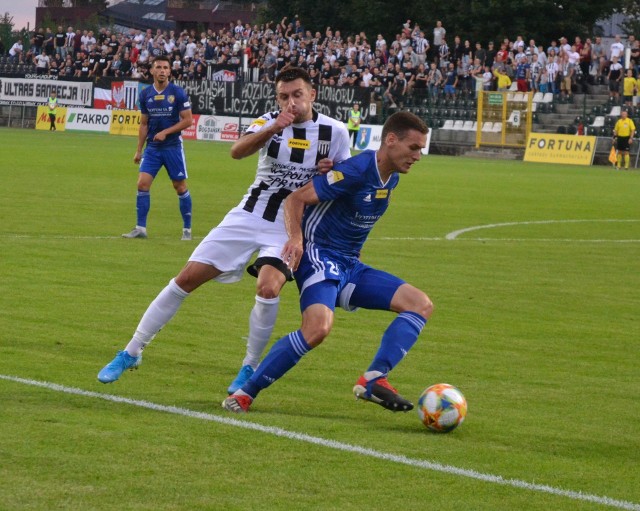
[[293, 210]]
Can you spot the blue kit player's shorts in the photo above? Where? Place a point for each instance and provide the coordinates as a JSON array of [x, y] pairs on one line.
[[172, 157], [327, 277]]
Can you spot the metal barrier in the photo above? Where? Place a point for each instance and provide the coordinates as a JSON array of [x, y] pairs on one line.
[[18, 116]]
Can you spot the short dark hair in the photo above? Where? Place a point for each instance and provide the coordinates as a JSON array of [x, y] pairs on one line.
[[290, 73], [161, 58], [402, 122]]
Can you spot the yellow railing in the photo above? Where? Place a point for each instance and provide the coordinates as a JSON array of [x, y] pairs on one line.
[[504, 118]]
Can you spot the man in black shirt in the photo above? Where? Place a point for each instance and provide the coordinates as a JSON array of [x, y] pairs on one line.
[[125, 67], [481, 54], [38, 41], [48, 42], [102, 64], [60, 39], [491, 56], [113, 44]]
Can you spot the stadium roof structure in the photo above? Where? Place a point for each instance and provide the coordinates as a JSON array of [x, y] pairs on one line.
[[135, 14], [154, 14]]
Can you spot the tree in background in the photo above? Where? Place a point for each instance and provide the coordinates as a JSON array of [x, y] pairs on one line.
[[6, 32], [631, 10], [477, 20]]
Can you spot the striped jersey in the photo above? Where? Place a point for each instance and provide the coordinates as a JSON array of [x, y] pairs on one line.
[[352, 199], [290, 159]]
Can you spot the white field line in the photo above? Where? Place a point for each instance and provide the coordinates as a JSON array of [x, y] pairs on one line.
[[450, 236], [381, 238], [536, 240], [453, 235], [333, 444]]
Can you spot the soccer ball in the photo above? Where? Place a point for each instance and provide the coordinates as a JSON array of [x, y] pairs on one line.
[[442, 407]]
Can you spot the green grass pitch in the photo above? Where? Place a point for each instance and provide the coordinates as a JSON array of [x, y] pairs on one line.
[[536, 321]]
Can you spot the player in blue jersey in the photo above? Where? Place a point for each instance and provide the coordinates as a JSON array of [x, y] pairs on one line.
[[323, 249], [293, 145], [165, 111]]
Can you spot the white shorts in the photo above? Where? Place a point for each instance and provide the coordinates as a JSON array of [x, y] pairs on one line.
[[230, 245]]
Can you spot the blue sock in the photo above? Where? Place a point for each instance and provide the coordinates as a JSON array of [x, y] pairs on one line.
[[185, 209], [284, 354], [397, 340], [143, 204]]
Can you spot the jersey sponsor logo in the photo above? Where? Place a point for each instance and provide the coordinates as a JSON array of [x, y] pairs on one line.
[[159, 97], [382, 194], [296, 143], [259, 122], [334, 176], [324, 147]]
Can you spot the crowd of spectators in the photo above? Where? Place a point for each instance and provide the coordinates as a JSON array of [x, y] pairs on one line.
[[411, 64]]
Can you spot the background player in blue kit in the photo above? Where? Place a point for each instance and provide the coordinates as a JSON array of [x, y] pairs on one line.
[[166, 111], [323, 249]]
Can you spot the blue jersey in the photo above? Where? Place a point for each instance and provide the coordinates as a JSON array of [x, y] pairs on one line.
[[163, 109], [353, 198], [521, 71]]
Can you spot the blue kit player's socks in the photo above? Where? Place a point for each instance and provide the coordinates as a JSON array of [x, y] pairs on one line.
[[185, 209], [143, 204], [397, 340], [284, 354]]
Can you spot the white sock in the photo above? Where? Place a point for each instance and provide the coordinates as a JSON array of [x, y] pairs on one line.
[[261, 322], [158, 314], [370, 375]]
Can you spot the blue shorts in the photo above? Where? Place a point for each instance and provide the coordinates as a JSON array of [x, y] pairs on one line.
[[449, 89], [172, 157], [333, 279]]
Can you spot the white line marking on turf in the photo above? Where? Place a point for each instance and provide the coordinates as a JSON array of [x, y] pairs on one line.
[[543, 240], [381, 238], [333, 444], [453, 235]]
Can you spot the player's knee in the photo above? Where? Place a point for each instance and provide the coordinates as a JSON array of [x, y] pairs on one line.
[[193, 276], [316, 330], [268, 289], [180, 187], [420, 303]]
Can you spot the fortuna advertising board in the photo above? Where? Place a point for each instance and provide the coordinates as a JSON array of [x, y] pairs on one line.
[[566, 149]]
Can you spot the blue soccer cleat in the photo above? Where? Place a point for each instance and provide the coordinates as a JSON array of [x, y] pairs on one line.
[[123, 361], [244, 374]]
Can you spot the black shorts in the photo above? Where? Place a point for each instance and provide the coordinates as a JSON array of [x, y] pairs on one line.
[[622, 143], [614, 86]]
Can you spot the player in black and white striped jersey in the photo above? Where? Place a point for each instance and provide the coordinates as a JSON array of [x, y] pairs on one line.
[[294, 144]]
